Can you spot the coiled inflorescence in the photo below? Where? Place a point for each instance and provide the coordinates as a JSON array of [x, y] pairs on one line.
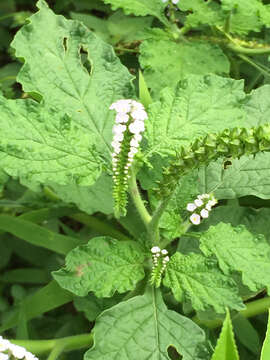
[[160, 259], [11, 351], [129, 124], [231, 143], [201, 207]]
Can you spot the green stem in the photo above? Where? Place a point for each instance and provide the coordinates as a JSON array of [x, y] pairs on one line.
[[153, 225], [136, 197], [247, 51], [99, 225], [253, 308], [39, 347], [252, 63], [56, 351]]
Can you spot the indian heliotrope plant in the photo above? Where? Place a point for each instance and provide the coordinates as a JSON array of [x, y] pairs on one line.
[[77, 134]]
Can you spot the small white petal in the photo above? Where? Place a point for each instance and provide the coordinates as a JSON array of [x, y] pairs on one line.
[[139, 114], [155, 250], [121, 106], [212, 202], [191, 207], [17, 351], [4, 344], [137, 137], [133, 150], [118, 137], [164, 252], [119, 129], [121, 118], [116, 144], [166, 259], [208, 207], [134, 143], [4, 356], [198, 202], [136, 127], [204, 213], [195, 219], [175, 2]]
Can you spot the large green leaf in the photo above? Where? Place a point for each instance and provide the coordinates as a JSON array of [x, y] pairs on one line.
[[166, 62], [77, 76], [246, 176], [226, 347], [103, 266], [143, 328], [238, 250], [257, 106], [141, 8], [199, 105], [198, 280]]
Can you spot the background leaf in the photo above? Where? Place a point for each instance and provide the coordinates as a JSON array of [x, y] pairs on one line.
[[266, 345], [103, 266], [143, 328]]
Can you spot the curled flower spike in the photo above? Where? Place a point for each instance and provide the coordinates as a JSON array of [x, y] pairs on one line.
[[129, 124], [160, 259], [11, 351], [201, 207]]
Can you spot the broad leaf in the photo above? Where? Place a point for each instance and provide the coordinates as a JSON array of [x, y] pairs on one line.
[[246, 176], [193, 278], [141, 8], [238, 250], [265, 355], [257, 106], [226, 347], [198, 106], [166, 62], [66, 138], [103, 266], [143, 328]]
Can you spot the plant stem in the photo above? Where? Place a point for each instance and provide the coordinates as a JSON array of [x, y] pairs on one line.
[[39, 347], [99, 225], [138, 202], [253, 308], [153, 225], [248, 51]]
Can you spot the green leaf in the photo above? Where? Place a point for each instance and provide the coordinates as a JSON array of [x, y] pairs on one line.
[[67, 137], [266, 345], [238, 250], [141, 8], [257, 106], [246, 333], [198, 106], [246, 176], [198, 280], [47, 298], [166, 62], [245, 16], [226, 347], [103, 266], [201, 13], [90, 199], [37, 235], [143, 328]]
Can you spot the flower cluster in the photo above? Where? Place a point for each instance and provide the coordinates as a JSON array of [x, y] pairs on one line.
[[201, 207], [160, 260], [9, 350], [129, 124]]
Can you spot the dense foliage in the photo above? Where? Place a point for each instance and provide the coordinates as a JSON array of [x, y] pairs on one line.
[[134, 179]]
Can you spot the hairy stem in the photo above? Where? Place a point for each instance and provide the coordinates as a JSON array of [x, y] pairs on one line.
[[138, 201], [39, 347], [253, 308]]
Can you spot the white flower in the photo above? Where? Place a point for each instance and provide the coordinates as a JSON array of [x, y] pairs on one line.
[[212, 202], [4, 344], [121, 106], [166, 259], [204, 213], [136, 127], [118, 137], [191, 207], [30, 356], [155, 250], [133, 150], [208, 207], [134, 143], [195, 219], [17, 351], [164, 252], [175, 2], [121, 118], [119, 129], [198, 202], [4, 356], [136, 105], [139, 114]]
